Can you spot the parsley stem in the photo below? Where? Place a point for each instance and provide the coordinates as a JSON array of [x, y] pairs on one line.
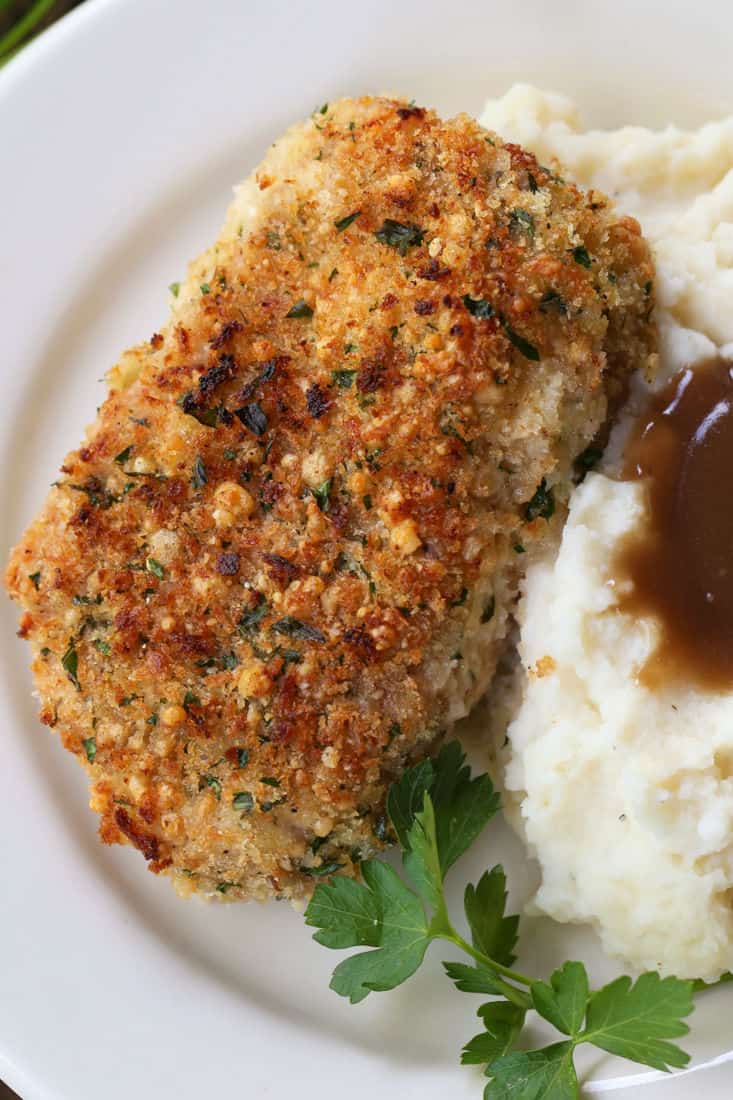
[[13, 38], [516, 996], [513, 975]]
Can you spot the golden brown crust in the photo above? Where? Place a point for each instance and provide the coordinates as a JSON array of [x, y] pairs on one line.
[[248, 593]]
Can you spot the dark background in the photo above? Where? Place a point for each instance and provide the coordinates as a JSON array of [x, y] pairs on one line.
[[8, 18]]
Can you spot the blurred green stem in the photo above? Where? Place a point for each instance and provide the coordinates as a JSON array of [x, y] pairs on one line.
[[16, 36]]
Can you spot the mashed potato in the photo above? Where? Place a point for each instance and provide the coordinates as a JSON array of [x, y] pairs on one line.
[[625, 795]]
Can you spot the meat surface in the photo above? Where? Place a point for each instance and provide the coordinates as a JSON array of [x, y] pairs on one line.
[[283, 562]]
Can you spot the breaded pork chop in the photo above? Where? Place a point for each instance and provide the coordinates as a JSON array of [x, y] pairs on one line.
[[283, 562]]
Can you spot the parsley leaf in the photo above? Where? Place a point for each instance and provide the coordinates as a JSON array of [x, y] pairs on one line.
[[634, 1021], [406, 798], [347, 914], [502, 1022], [471, 979], [563, 1001], [547, 1074], [493, 933], [402, 932], [463, 805]]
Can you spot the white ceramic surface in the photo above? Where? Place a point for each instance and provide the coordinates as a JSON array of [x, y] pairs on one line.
[[122, 131]]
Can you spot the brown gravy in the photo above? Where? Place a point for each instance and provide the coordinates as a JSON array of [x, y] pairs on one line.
[[682, 565]]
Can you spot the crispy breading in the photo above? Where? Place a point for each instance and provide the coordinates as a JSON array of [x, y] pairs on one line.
[[284, 560]]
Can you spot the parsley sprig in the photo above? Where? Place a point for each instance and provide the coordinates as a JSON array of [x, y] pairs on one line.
[[437, 810]]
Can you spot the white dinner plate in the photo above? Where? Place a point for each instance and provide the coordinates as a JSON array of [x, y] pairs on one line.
[[122, 131]]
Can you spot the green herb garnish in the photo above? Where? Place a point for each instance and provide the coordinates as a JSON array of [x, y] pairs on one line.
[[294, 628], [250, 619], [437, 809], [212, 782], [344, 223], [300, 309], [243, 801], [321, 870], [155, 568], [123, 456], [344, 379], [542, 503], [90, 748], [529, 351], [174, 288], [521, 221], [322, 495], [478, 307], [199, 477], [70, 664], [35, 578], [399, 236], [581, 256]]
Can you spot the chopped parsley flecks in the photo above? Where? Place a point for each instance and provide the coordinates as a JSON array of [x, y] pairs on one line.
[[212, 783], [123, 456], [402, 237], [344, 223], [321, 870], [322, 495], [199, 477], [529, 351], [155, 568], [300, 309], [542, 503], [70, 664], [551, 300], [478, 307], [250, 620], [521, 221], [582, 256], [294, 628], [488, 612], [344, 379], [253, 417]]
